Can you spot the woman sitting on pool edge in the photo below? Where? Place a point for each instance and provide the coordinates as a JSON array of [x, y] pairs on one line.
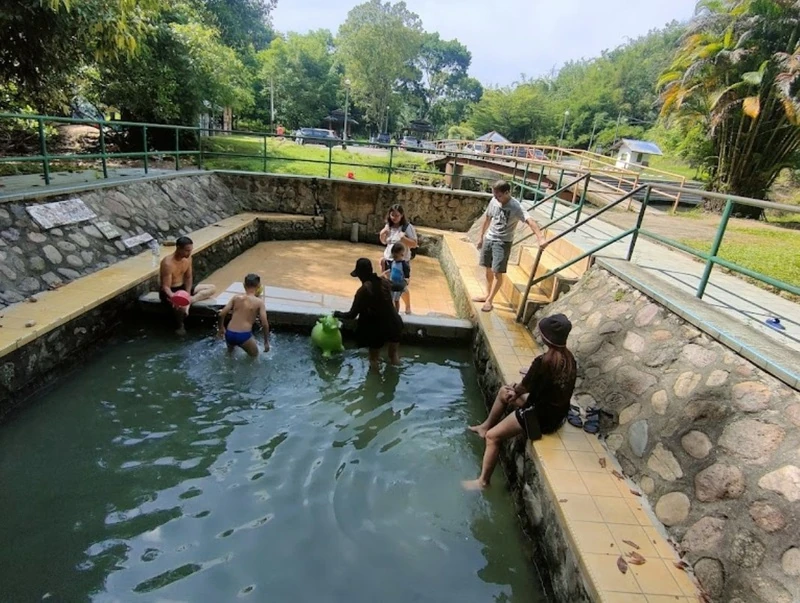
[[378, 320], [541, 401]]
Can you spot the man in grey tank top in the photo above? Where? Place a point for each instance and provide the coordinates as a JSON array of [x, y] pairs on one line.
[[502, 216]]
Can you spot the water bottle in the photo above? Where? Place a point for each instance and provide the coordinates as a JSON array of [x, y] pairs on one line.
[[156, 251]]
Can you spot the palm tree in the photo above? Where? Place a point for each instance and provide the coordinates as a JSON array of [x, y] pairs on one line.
[[738, 71]]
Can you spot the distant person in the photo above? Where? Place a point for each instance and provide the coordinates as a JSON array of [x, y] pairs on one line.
[[244, 310], [280, 131], [398, 272], [540, 402], [378, 321], [502, 216], [176, 275], [398, 230]]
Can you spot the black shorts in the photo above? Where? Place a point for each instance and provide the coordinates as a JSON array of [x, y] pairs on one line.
[[163, 296], [375, 336], [532, 427]]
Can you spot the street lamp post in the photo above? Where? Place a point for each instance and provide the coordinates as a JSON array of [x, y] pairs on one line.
[[386, 131], [563, 128], [346, 103]]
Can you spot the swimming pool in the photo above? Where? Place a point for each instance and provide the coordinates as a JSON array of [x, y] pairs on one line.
[[171, 472]]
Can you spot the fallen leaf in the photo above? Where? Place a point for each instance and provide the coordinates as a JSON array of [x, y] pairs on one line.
[[633, 544], [636, 559], [602, 462], [30, 323], [635, 493], [617, 474], [32, 299], [562, 500], [681, 565], [622, 565]]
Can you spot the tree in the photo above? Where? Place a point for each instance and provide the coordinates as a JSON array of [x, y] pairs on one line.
[[46, 44], [521, 114], [440, 87], [376, 45], [305, 80], [242, 24], [737, 74]]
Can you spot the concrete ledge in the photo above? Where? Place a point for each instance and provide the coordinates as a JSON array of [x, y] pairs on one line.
[[283, 312], [779, 361]]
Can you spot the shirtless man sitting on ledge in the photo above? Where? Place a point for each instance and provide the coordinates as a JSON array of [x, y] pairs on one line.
[[176, 275]]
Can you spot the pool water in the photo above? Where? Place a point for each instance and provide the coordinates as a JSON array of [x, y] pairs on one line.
[[171, 472]]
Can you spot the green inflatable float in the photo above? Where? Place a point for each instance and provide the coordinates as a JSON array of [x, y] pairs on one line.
[[327, 336]]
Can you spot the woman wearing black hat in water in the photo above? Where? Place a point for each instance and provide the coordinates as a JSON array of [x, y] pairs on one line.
[[378, 320], [541, 401]]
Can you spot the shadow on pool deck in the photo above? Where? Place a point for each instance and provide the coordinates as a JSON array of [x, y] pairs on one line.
[[325, 266]]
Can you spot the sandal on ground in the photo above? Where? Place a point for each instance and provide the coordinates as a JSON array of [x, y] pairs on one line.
[[592, 424], [574, 416]]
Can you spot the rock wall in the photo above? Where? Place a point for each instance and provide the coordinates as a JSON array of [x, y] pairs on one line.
[[344, 202], [33, 260], [710, 438]]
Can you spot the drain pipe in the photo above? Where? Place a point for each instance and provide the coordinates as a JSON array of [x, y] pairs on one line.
[[354, 232]]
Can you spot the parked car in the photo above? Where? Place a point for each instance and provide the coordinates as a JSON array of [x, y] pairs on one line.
[[409, 142], [383, 139], [316, 136]]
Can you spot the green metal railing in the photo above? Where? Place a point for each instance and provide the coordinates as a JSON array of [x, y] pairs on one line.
[[711, 258], [203, 145]]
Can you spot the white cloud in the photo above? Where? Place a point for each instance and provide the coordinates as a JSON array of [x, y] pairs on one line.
[[511, 37]]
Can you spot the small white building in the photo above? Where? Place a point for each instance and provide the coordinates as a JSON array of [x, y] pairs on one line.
[[634, 154]]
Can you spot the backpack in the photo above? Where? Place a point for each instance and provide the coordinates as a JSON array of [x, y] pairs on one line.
[[413, 251]]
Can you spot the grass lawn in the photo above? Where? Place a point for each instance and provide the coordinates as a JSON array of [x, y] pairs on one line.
[[675, 166], [286, 157], [774, 252]]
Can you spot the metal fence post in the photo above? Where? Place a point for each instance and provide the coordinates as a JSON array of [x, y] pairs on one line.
[[639, 221], [103, 151], [200, 147], [583, 198], [453, 173], [43, 151], [330, 160], [264, 160], [391, 156], [144, 142], [726, 214], [177, 151], [524, 181]]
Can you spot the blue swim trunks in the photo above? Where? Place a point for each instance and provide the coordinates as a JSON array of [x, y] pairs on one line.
[[237, 337]]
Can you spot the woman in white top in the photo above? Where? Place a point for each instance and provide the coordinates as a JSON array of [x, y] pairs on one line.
[[398, 230]]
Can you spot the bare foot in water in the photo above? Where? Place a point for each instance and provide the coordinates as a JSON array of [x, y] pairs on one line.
[[180, 332], [479, 429], [473, 484]]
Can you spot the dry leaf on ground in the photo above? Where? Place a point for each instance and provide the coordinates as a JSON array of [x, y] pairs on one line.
[[632, 544], [622, 565], [635, 558], [602, 462], [617, 474]]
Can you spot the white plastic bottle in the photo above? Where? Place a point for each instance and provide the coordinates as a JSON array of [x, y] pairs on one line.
[[156, 251]]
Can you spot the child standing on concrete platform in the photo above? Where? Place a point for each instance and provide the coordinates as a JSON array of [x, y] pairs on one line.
[[398, 271]]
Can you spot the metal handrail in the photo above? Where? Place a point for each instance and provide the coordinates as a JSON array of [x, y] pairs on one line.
[[561, 235]]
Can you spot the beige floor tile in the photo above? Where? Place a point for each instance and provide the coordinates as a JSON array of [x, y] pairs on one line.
[[580, 507], [566, 482], [662, 546], [642, 516], [636, 535], [588, 462], [670, 599], [614, 510], [606, 575], [655, 578], [600, 484], [551, 442], [575, 441], [591, 537], [686, 583], [612, 597], [556, 459]]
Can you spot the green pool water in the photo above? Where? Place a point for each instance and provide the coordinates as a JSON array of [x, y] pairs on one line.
[[170, 472]]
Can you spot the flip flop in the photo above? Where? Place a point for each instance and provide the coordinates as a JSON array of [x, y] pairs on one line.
[[487, 307], [574, 416], [592, 424]]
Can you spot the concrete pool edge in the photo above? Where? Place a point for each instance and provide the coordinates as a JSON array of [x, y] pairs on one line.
[[560, 484]]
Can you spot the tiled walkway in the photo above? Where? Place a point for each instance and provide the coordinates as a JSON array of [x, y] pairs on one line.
[[324, 267], [598, 510]]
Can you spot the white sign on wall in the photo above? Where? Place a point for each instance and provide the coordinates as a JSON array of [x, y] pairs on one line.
[[60, 213], [137, 240]]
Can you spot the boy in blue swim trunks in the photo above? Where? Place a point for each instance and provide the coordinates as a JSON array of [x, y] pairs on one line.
[[244, 310]]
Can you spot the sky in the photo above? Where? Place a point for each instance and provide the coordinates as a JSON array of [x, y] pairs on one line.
[[508, 38]]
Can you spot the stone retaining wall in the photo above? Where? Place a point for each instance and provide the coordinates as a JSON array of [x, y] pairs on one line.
[[710, 438], [25, 371], [344, 202], [33, 260]]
